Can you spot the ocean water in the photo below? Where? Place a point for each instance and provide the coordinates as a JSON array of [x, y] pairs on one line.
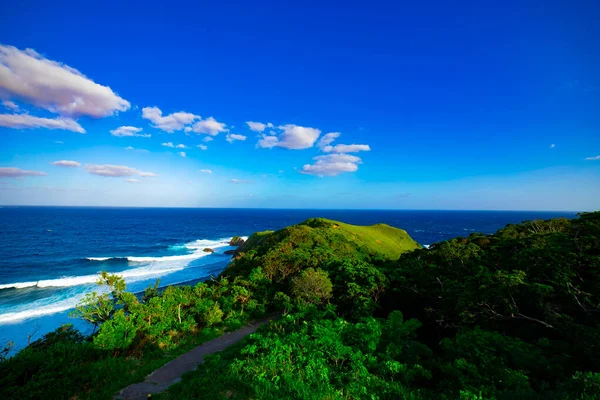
[[50, 256]]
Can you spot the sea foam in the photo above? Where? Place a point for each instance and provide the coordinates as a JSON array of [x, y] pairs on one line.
[[156, 266]]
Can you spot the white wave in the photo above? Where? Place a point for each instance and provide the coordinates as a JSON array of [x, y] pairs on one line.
[[69, 281], [198, 246], [18, 285], [14, 317]]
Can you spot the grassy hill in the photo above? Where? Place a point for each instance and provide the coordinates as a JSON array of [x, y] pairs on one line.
[[382, 238], [379, 238]]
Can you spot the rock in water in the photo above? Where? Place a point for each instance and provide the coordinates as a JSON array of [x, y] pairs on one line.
[[208, 250]]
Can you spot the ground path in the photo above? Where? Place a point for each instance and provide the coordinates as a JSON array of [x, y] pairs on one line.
[[171, 372]]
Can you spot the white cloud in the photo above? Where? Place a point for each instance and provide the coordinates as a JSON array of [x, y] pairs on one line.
[[267, 141], [187, 129], [202, 147], [11, 172], [328, 139], [169, 123], [124, 131], [347, 148], [206, 171], [59, 142], [115, 170], [10, 105], [26, 121], [182, 154], [338, 158], [593, 158], [552, 146], [131, 148], [210, 126], [147, 174], [132, 180], [257, 126], [54, 86], [173, 146], [67, 163], [208, 139], [231, 137], [293, 137], [332, 164], [270, 125], [240, 181], [297, 137]]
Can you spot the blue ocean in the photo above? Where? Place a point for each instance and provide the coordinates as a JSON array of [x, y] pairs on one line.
[[50, 256]]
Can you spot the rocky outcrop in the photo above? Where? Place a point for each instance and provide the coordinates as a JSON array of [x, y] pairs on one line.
[[236, 241], [208, 250]]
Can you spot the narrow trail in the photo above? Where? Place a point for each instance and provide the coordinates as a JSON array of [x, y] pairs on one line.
[[171, 373]]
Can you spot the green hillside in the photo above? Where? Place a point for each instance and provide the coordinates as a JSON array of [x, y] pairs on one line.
[[379, 238], [511, 315], [382, 238]]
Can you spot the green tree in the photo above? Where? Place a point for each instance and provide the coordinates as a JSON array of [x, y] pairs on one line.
[[312, 286]]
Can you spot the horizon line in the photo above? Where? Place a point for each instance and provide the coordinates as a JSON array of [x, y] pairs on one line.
[[289, 209]]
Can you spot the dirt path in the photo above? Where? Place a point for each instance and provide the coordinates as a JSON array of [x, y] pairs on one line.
[[171, 372]]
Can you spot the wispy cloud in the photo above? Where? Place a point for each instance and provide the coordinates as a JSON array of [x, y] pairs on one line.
[[347, 148], [327, 139], [132, 180], [26, 121], [232, 137], [10, 105], [206, 171], [67, 163], [240, 181], [131, 148], [174, 146], [109, 170], [11, 172], [202, 147], [129, 131], [552, 146], [59, 142], [595, 158], [208, 139], [182, 154], [54, 86]]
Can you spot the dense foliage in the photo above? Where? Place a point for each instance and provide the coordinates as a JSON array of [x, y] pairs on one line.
[[513, 315]]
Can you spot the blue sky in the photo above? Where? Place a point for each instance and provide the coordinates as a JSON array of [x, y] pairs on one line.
[[423, 105]]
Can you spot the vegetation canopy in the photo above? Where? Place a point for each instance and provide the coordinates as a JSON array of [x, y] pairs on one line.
[[364, 313]]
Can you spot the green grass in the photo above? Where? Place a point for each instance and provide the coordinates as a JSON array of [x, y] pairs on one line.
[[385, 239], [255, 240]]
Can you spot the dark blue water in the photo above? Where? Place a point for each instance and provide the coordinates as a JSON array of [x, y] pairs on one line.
[[50, 256]]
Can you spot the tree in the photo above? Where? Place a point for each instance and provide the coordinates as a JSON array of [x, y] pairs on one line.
[[312, 286]]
